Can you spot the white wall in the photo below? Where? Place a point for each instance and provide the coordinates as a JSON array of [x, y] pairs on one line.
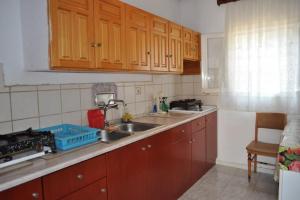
[[204, 16], [19, 34], [168, 9]]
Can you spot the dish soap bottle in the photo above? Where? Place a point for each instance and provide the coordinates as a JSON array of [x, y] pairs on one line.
[[164, 106]]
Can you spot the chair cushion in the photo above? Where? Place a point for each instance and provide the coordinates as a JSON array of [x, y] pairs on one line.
[[264, 149]]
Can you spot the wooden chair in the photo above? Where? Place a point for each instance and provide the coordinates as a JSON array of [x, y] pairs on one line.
[[255, 148]]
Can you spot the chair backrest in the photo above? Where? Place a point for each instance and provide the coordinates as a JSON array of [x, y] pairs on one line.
[[270, 121]]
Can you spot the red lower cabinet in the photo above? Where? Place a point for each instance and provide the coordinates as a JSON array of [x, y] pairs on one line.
[[211, 139], [27, 191], [161, 167], [181, 160], [94, 191], [198, 155], [126, 172]]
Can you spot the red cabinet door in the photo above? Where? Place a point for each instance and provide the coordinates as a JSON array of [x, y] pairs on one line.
[[198, 155], [127, 168], [159, 164], [94, 191], [73, 178], [181, 161], [211, 139], [27, 191]]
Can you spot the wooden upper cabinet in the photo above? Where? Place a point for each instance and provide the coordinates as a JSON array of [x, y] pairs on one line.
[[71, 33], [175, 48], [109, 34], [137, 39], [191, 45], [159, 44]]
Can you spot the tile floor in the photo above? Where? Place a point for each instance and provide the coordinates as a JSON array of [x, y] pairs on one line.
[[226, 183]]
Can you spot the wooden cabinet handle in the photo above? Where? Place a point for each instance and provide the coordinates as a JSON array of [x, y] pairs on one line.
[[35, 195], [79, 176], [103, 190]]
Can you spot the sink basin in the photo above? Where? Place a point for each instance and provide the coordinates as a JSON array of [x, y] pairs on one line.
[[107, 136], [136, 127], [124, 130]]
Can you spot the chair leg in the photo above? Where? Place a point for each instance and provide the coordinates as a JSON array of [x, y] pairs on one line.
[[249, 166], [255, 163]]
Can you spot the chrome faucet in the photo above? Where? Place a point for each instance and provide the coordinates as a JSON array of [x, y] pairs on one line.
[[112, 103]]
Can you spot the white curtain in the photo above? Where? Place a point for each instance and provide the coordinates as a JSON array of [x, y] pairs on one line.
[[262, 56]]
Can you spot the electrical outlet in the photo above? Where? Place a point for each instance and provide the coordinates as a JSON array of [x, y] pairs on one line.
[[138, 91]]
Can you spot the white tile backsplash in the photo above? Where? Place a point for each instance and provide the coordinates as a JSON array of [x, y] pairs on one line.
[[129, 92], [70, 100], [24, 105], [72, 118], [187, 89], [23, 124], [49, 102], [87, 101], [48, 105], [5, 127], [50, 120], [5, 112], [139, 93], [140, 107]]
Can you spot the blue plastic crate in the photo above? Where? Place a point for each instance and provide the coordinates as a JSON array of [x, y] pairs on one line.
[[68, 136]]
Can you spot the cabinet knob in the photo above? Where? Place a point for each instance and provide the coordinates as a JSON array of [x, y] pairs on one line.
[[143, 148], [190, 141], [148, 53], [171, 56], [182, 131], [98, 45], [149, 146], [35, 195], [103, 190], [79, 176]]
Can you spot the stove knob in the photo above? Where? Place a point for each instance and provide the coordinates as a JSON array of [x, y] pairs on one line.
[[35, 195]]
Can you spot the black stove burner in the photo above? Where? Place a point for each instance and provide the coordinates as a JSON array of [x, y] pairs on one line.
[[187, 104], [27, 140]]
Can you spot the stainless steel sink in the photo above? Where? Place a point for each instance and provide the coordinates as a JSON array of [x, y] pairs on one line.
[[136, 127], [124, 130]]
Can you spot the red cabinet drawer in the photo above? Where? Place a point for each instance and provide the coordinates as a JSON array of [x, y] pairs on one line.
[[27, 191], [94, 191], [198, 124], [66, 181], [179, 132]]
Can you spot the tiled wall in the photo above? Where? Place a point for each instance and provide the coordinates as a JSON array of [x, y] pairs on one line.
[[40, 106]]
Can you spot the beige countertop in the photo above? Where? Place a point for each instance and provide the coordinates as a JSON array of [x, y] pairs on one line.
[[50, 163]]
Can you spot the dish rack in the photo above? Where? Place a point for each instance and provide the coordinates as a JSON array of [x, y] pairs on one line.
[[69, 136]]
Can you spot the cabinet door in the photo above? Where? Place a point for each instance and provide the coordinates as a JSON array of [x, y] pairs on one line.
[[198, 155], [109, 34], [181, 160], [175, 48], [196, 46], [27, 191], [159, 164], [94, 191], [211, 139], [71, 34], [137, 39], [187, 44], [74, 178], [126, 172], [159, 44]]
